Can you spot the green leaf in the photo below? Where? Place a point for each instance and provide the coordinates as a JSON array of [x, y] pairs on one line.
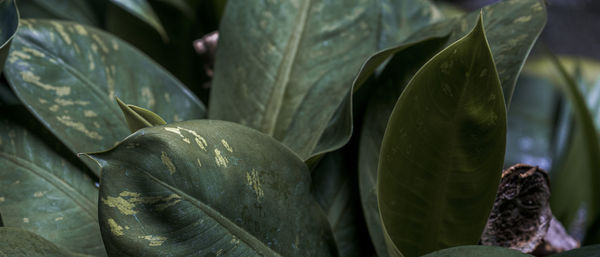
[[477, 251], [334, 187], [138, 117], [202, 187], [294, 69], [401, 18], [443, 150], [42, 192], [9, 22], [143, 10], [72, 10], [512, 27], [587, 251], [22, 243], [68, 75]]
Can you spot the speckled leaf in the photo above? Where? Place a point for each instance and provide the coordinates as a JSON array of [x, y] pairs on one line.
[[42, 192], [401, 18], [22, 243], [68, 75], [138, 117], [285, 67], [203, 188], [587, 251], [143, 10], [442, 151], [9, 21], [512, 27], [80, 11], [477, 251]]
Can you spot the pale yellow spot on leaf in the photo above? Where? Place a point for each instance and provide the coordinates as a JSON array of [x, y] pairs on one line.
[[226, 145], [34, 52], [43, 101], [149, 96], [16, 55], [154, 240], [101, 43], [26, 220], [92, 64], [523, 19], [59, 218], [61, 31], [2, 199], [29, 77], [54, 108], [81, 30], [67, 102], [199, 163], [39, 194], [254, 182], [115, 45], [67, 121], [167, 162], [200, 141], [220, 160], [89, 113], [115, 228]]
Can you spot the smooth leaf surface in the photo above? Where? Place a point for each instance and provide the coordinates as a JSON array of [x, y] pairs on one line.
[[477, 251], [390, 84], [512, 27], [401, 18], [80, 11], [143, 10], [68, 75], [587, 251], [9, 21], [138, 117], [202, 187], [22, 243], [333, 187], [294, 68], [442, 151], [42, 192]]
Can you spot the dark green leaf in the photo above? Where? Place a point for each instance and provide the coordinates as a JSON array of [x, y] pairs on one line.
[[42, 192], [202, 188], [9, 22], [588, 251], [80, 11], [334, 187], [143, 10], [512, 27], [477, 251], [68, 75], [22, 243], [138, 117], [285, 67], [442, 152]]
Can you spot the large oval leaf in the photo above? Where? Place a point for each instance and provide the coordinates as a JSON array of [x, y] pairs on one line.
[[9, 21], [477, 251], [443, 150], [42, 192], [22, 243], [68, 75], [294, 67], [198, 188]]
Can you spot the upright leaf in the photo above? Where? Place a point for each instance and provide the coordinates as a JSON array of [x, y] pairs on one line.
[[203, 188], [22, 243], [9, 21], [477, 251], [68, 75], [143, 10], [138, 117], [41, 192], [294, 68], [442, 152]]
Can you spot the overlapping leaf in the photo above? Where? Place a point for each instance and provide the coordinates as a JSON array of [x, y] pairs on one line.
[[143, 10], [587, 251], [285, 68], [477, 251], [42, 192], [80, 11], [198, 188], [68, 75], [9, 21], [442, 152], [401, 18], [22, 243]]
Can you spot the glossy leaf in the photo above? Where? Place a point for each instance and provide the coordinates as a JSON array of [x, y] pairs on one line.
[[22, 243], [294, 68], [138, 117], [68, 75], [512, 27], [9, 21], [401, 18], [198, 188], [334, 187], [477, 251], [442, 151], [80, 11], [143, 10], [587, 251], [42, 192]]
